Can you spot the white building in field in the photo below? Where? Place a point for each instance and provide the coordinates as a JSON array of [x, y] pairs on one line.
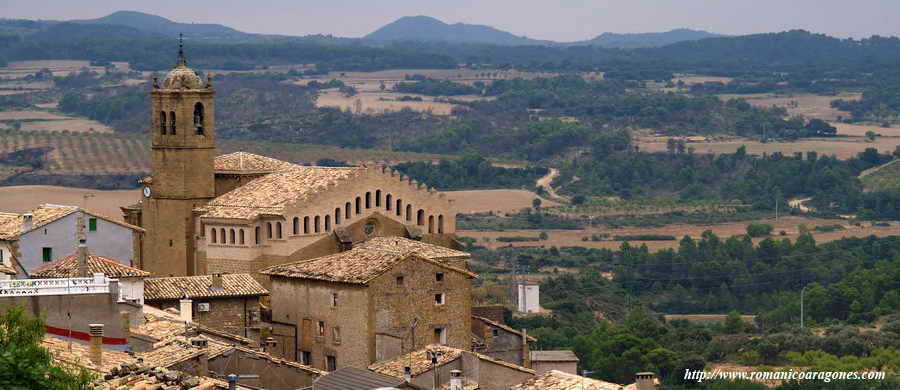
[[48, 233], [528, 298]]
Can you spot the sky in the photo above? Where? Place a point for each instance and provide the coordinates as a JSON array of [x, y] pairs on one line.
[[559, 20]]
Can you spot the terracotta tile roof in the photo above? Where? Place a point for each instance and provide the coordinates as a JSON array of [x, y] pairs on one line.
[[504, 327], [80, 355], [244, 162], [354, 378], [553, 356], [67, 267], [467, 385], [270, 194], [405, 245], [249, 352], [11, 224], [233, 285], [160, 328], [175, 350], [558, 380], [356, 266], [160, 379], [417, 360], [5, 269]]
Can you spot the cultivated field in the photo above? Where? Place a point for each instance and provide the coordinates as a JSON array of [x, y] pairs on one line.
[[479, 201], [21, 69], [380, 102], [23, 198], [842, 147], [789, 225], [808, 105]]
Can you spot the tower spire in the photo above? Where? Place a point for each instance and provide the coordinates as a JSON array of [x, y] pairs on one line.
[[181, 60]]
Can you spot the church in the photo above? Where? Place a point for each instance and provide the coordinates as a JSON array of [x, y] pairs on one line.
[[241, 212]]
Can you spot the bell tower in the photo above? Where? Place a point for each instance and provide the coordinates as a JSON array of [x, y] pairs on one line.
[[183, 147]]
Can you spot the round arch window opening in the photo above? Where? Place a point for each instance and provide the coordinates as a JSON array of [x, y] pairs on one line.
[[369, 228]]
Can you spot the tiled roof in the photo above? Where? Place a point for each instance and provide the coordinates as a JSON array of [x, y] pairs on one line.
[[553, 356], [558, 380], [270, 194], [160, 379], [233, 285], [466, 385], [79, 355], [356, 266], [175, 350], [67, 267], [417, 360], [249, 162], [11, 224], [405, 245], [254, 354], [504, 327], [354, 378], [5, 269]]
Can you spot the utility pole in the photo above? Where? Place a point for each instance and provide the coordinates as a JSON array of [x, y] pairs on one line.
[[801, 306]]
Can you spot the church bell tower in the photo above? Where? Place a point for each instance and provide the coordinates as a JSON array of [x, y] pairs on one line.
[[183, 148]]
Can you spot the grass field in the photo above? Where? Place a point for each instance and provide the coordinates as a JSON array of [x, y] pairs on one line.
[[883, 178]]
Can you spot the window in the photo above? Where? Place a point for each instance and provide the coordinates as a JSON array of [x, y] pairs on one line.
[[242, 236], [198, 118], [45, 232], [321, 328], [330, 363], [269, 230], [212, 234], [222, 234], [368, 200], [296, 227], [358, 206], [334, 299], [92, 224], [430, 224], [48, 254], [305, 225], [347, 210], [387, 202], [256, 235], [440, 336], [420, 217], [399, 208], [439, 276], [409, 212], [336, 334], [327, 223], [495, 332], [162, 122], [377, 198], [278, 230], [337, 216], [172, 122], [306, 357], [439, 299], [441, 224], [231, 236], [400, 281], [2, 260], [318, 223]]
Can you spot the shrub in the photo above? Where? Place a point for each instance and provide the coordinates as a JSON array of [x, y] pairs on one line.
[[759, 229], [645, 237], [517, 239], [828, 228]]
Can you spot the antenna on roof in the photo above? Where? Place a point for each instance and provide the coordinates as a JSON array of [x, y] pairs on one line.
[[181, 59]]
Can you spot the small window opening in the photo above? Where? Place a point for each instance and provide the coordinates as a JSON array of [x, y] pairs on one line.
[[172, 122], [400, 280], [439, 276], [198, 118], [439, 299]]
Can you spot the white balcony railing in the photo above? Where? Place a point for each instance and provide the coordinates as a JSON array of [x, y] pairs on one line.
[[98, 284]]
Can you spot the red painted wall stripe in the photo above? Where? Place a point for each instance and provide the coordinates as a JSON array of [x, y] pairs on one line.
[[83, 336]]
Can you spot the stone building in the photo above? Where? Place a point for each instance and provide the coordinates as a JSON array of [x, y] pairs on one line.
[[501, 341], [47, 233], [242, 212], [226, 302], [565, 361], [131, 280], [373, 302]]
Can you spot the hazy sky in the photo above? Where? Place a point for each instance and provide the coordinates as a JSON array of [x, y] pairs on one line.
[[561, 20]]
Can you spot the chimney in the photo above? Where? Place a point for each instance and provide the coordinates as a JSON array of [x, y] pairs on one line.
[[126, 322], [83, 271], [186, 309], [526, 351], [216, 282], [456, 380], [96, 348], [27, 221], [645, 381], [202, 343], [407, 374]]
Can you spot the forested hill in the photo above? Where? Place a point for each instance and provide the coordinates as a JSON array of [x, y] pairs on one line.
[[160, 25], [428, 29], [655, 39]]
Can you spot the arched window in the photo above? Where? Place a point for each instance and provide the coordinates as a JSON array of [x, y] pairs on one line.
[[213, 235], [222, 235], [269, 230], [358, 206], [377, 198], [256, 235], [242, 236], [430, 224], [305, 225], [399, 206], [317, 224], [409, 212], [337, 216], [296, 228], [278, 230], [441, 224], [347, 210], [172, 122], [368, 200], [231, 235], [387, 202], [327, 223], [420, 217], [198, 118], [162, 122]]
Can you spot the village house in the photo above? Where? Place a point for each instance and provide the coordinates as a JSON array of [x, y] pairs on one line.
[[47, 233], [226, 302], [433, 366], [84, 264], [564, 361], [502, 342], [373, 302], [558, 380]]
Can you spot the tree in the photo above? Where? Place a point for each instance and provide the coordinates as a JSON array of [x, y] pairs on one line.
[[871, 135], [536, 203], [24, 364], [734, 323], [544, 236]]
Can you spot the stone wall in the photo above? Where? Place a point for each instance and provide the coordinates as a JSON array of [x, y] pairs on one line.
[[542, 367], [272, 376], [232, 315]]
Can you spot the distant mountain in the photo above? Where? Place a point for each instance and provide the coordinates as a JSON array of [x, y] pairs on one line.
[[642, 40], [428, 29], [160, 25]]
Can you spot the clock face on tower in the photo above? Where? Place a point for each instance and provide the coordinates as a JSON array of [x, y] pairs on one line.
[[146, 192]]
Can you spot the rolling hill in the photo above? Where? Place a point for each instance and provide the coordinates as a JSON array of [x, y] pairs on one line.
[[160, 25], [641, 40], [428, 29]]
